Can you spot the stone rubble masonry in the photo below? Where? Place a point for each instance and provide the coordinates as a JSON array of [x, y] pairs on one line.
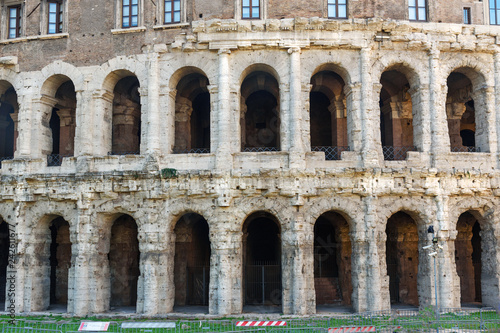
[[90, 190]]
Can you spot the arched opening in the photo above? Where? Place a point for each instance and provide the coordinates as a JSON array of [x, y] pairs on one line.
[[192, 115], [9, 111], [124, 259], [60, 262], [461, 113], [468, 258], [4, 260], [328, 116], [260, 118], [126, 130], [402, 259], [62, 122], [192, 261], [396, 118], [332, 260], [262, 260]]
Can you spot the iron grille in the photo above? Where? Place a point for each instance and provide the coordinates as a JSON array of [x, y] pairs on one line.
[[466, 149], [55, 159], [121, 152], [259, 149], [5, 158], [198, 283], [263, 284], [192, 151], [394, 153], [332, 153]]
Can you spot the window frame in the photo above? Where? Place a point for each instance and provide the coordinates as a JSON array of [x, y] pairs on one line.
[[250, 7], [172, 11], [496, 12], [19, 21], [336, 5], [130, 15], [467, 15], [59, 22], [417, 7]]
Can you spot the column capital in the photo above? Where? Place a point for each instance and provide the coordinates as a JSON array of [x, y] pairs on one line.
[[224, 51], [294, 49]]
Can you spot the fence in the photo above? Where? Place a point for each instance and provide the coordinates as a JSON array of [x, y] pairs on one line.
[[450, 321], [332, 153]]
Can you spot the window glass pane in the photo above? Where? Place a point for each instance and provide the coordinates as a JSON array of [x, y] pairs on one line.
[[12, 33], [52, 18], [255, 12], [177, 17], [134, 2], [497, 16], [412, 14], [411, 3], [125, 21], [342, 11], [246, 3], [255, 3], [52, 28], [421, 14], [168, 18], [13, 22], [126, 2], [331, 11], [168, 6], [497, 3], [421, 3], [12, 12], [134, 21], [134, 10], [126, 11], [177, 5], [492, 17], [342, 2], [52, 7]]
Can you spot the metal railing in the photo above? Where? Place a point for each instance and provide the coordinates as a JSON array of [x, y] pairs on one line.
[[332, 153], [259, 149], [466, 149], [5, 158], [395, 153], [192, 151], [263, 284], [55, 159], [450, 320], [124, 152]]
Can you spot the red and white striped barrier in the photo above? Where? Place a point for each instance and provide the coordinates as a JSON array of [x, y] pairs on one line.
[[261, 323], [352, 329]]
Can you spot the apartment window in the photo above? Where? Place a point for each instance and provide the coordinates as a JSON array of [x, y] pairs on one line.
[[250, 9], [417, 10], [14, 21], [337, 8], [172, 11], [494, 11], [467, 18], [55, 19], [130, 13]]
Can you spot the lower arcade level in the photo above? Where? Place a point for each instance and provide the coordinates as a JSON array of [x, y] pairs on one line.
[[151, 242]]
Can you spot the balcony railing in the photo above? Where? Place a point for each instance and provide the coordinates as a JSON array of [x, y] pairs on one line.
[[192, 151], [55, 159], [259, 149], [466, 149], [124, 152], [394, 153], [332, 153], [5, 158]]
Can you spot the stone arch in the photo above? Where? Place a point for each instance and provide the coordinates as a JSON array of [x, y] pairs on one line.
[[9, 119], [51, 249], [260, 105], [262, 260], [60, 69], [332, 259], [59, 101], [192, 260], [475, 254], [124, 108], [192, 110], [328, 112]]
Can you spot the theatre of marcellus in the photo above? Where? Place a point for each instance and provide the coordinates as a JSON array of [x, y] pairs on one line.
[[163, 154]]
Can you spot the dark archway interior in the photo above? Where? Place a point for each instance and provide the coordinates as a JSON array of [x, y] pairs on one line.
[[460, 112], [262, 254], [8, 135], [192, 115], [60, 261], [126, 133], [402, 258], [260, 127], [62, 121], [468, 258], [321, 120], [332, 260], [192, 260], [124, 259], [4, 258]]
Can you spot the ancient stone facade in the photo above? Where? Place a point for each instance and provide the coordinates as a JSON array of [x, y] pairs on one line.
[[285, 162]]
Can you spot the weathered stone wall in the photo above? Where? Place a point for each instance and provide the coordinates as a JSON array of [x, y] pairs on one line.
[[293, 186]]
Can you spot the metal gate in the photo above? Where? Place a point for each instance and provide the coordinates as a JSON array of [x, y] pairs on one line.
[[197, 286], [263, 284], [392, 271]]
